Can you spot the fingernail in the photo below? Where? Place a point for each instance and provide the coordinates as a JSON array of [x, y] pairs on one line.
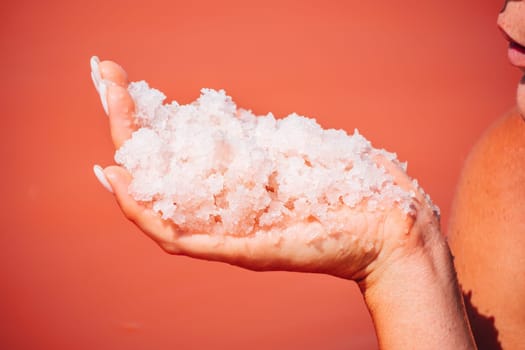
[[101, 177], [100, 84], [95, 82], [95, 71], [103, 92]]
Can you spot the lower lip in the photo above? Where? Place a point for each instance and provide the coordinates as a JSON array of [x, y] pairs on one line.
[[516, 55]]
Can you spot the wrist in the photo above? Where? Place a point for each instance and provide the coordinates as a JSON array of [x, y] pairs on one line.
[[414, 298], [420, 249]]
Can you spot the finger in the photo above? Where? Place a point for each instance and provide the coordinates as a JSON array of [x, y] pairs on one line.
[[113, 72], [241, 251], [105, 74], [120, 104], [203, 246], [98, 82], [251, 252], [282, 249], [111, 82], [419, 197], [121, 110], [145, 218], [400, 176]]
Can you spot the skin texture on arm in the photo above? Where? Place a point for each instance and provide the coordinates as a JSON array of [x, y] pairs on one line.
[[487, 235], [487, 227], [415, 302], [401, 262]]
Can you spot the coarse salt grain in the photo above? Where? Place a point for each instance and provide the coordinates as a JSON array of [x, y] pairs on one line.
[[210, 167]]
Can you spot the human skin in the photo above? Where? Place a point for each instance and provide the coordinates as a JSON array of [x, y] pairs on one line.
[[401, 262], [487, 226]]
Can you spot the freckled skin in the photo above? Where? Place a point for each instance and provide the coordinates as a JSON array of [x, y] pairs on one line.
[[487, 227], [487, 233]]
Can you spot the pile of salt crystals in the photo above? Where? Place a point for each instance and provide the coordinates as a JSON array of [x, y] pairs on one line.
[[210, 167]]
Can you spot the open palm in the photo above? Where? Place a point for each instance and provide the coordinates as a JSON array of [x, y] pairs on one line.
[[363, 239]]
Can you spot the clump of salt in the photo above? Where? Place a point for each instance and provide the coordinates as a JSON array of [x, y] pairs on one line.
[[210, 167]]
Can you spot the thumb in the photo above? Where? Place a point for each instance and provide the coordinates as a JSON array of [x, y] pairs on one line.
[[150, 222]]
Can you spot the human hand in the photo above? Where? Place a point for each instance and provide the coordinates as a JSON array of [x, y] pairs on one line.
[[366, 240]]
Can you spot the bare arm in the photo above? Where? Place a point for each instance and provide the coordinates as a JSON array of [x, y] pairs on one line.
[[415, 301]]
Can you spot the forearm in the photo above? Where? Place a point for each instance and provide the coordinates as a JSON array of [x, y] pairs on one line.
[[416, 303]]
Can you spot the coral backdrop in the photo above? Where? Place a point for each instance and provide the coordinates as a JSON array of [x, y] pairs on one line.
[[422, 78]]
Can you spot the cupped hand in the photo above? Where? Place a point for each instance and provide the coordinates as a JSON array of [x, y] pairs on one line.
[[368, 240]]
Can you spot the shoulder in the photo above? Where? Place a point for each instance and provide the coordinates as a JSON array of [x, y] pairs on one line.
[[492, 183], [487, 226], [495, 169]]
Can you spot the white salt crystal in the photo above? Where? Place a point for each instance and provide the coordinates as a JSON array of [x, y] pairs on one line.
[[210, 167]]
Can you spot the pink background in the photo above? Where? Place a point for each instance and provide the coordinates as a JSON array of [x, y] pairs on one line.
[[423, 78]]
